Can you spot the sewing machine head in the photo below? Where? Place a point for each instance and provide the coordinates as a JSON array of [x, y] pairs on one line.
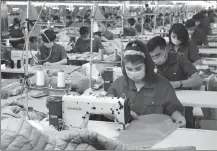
[[76, 110]]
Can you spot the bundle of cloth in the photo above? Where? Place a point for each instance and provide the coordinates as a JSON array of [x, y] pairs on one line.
[[75, 81], [20, 133], [11, 87], [17, 133]]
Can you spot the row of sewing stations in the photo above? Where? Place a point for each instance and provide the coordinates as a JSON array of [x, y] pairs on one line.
[[80, 69]]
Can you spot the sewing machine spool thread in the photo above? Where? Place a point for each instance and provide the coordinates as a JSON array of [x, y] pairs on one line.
[[115, 55], [101, 54], [61, 79], [40, 78], [7, 42]]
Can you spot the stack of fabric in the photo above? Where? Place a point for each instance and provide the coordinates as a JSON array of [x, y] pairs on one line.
[[10, 87]]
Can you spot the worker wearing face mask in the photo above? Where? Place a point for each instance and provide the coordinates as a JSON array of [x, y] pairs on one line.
[[179, 42], [83, 42], [50, 52], [196, 34], [148, 92], [17, 36], [176, 67]]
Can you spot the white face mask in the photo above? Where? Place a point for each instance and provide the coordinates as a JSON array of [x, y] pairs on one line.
[[49, 45], [136, 75], [86, 39], [16, 27], [161, 60]]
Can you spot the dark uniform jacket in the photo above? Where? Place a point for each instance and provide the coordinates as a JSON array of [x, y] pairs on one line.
[[190, 50], [156, 97]]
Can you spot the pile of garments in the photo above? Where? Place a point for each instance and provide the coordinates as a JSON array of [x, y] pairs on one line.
[[11, 87], [17, 133]]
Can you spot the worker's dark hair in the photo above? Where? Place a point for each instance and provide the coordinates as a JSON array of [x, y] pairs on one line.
[[84, 30], [155, 42], [16, 22], [69, 17], [141, 47], [181, 32], [146, 5], [50, 36], [147, 20], [131, 21], [198, 17], [189, 23]]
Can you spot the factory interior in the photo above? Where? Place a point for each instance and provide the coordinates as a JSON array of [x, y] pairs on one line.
[[73, 74]]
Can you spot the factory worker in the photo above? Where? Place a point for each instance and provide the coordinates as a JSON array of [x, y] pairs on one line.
[[202, 22], [179, 42], [148, 93], [50, 52], [197, 35], [69, 21], [83, 42], [130, 30], [175, 67]]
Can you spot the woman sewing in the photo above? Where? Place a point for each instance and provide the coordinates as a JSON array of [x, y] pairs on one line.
[[179, 42], [148, 93]]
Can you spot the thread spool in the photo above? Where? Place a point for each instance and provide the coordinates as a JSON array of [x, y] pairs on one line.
[[101, 54], [115, 55], [40, 78], [7, 42], [61, 79]]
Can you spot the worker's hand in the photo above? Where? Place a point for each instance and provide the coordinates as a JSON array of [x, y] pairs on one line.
[[176, 84], [181, 122], [134, 115], [47, 64]]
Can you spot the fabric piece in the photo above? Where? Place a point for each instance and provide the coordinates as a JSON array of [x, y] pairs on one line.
[[19, 134], [11, 88], [38, 94], [17, 110], [147, 131]]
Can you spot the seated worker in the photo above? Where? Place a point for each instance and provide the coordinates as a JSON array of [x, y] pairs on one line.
[[83, 42], [179, 42], [201, 22], [159, 20], [148, 92], [197, 35], [105, 34], [118, 23], [50, 52], [68, 21], [130, 30], [147, 25], [17, 35], [138, 25], [175, 67]]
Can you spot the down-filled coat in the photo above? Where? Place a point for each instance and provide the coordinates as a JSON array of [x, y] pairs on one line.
[[18, 134]]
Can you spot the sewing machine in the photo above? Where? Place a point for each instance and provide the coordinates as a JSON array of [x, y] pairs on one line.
[[75, 110]]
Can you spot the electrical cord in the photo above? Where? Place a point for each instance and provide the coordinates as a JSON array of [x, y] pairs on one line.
[[35, 58]]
